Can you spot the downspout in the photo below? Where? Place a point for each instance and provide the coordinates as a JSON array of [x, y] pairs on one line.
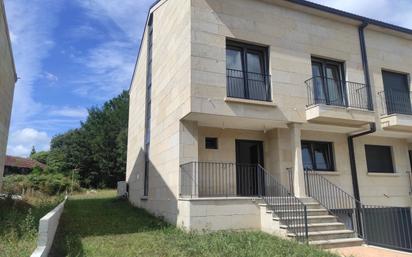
[[356, 194], [372, 126], [365, 65]]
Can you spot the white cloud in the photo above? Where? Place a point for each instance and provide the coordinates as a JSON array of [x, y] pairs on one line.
[[50, 77], [70, 112], [397, 12], [109, 70], [22, 141], [31, 26], [129, 16]]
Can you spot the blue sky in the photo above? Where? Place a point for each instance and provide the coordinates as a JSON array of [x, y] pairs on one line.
[[74, 54]]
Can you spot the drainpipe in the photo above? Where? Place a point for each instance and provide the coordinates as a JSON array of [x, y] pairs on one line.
[[355, 184], [361, 30]]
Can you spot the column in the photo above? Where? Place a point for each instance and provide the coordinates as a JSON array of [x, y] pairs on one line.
[[298, 174]]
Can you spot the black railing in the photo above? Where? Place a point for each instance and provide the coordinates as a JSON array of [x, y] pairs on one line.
[[328, 91], [248, 85], [211, 179], [378, 225], [395, 102], [339, 203], [291, 210]]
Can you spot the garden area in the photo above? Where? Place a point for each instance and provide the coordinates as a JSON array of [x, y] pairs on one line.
[[102, 225], [19, 222]]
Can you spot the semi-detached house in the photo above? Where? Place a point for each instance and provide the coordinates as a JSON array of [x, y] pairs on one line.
[[279, 115]]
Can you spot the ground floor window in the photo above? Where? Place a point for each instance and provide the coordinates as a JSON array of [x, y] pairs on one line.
[[379, 159], [317, 155]]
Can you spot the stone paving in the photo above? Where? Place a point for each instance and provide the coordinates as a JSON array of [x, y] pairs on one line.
[[369, 251]]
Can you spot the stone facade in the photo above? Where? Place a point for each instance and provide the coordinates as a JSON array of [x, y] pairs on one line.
[[7, 81], [190, 102]]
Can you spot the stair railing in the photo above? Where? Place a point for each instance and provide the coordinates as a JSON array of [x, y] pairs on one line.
[[384, 226], [339, 203], [291, 210]]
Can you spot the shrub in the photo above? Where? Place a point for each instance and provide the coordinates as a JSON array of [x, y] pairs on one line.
[[47, 183]]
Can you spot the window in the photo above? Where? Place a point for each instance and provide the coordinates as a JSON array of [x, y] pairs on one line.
[[317, 156], [211, 142], [328, 82], [148, 113], [379, 159], [397, 95], [247, 71]]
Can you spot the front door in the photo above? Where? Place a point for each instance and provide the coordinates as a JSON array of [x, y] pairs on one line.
[[248, 155]]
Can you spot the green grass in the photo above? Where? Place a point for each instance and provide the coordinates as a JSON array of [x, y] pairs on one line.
[[99, 225], [19, 222]]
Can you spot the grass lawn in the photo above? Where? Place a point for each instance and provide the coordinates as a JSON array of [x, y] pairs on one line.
[[19, 222], [99, 225]]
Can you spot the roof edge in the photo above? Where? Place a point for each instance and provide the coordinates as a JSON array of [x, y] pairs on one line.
[[352, 16]]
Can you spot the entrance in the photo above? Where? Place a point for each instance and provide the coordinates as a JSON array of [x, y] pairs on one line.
[[248, 155]]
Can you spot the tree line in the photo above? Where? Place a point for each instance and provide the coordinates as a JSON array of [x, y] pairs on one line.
[[95, 153]]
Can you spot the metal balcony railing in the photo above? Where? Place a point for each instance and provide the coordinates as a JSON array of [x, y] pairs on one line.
[[395, 102], [328, 91], [248, 85], [378, 225]]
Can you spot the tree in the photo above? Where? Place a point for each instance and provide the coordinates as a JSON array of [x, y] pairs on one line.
[[33, 151], [41, 156], [96, 150]]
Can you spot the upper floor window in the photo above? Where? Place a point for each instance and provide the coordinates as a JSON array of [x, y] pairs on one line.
[[397, 94], [379, 159], [328, 86], [247, 71], [317, 156]]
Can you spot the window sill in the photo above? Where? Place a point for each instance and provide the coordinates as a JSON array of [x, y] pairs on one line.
[[144, 198], [384, 174], [249, 101]]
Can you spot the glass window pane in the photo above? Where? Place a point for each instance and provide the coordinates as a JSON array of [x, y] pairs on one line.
[[255, 62], [321, 156], [307, 157], [234, 59], [379, 158]]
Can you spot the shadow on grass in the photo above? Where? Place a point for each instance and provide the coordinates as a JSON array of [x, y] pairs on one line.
[[99, 217]]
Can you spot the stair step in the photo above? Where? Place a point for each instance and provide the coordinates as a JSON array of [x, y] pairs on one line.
[[311, 219], [315, 212], [318, 226], [337, 243], [328, 235]]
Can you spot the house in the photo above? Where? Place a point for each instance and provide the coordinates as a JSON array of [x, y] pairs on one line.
[[8, 78], [20, 165], [280, 115]]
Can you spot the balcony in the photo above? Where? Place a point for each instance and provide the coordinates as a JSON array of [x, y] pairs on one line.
[[248, 85], [396, 110], [209, 179], [337, 102]]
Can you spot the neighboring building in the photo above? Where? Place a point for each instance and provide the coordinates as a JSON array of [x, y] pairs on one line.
[[8, 78], [231, 99], [20, 165]]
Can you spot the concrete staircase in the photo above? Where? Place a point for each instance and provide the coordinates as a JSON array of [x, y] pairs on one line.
[[324, 230]]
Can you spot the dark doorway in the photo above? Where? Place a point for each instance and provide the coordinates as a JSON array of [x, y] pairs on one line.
[[248, 155], [397, 93]]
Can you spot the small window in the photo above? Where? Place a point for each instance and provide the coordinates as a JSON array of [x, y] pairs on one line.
[[317, 156], [379, 159], [211, 143]]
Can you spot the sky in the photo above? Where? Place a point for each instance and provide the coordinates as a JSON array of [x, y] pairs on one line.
[[71, 55]]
